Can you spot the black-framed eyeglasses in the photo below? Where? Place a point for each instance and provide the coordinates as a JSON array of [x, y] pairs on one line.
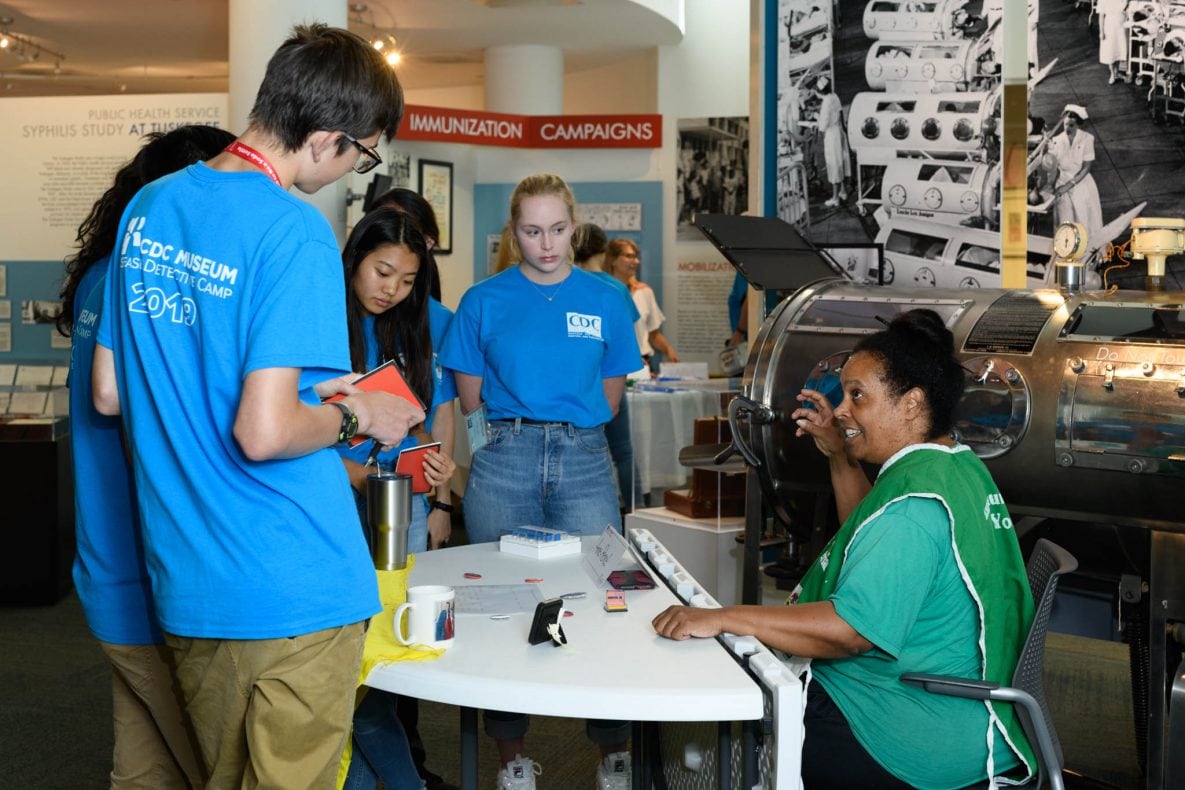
[[369, 158]]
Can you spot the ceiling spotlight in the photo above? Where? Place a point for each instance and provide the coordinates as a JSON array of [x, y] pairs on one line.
[[393, 58], [25, 49], [378, 43]]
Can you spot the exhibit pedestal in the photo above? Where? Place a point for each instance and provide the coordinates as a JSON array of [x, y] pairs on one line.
[[707, 547], [37, 542]]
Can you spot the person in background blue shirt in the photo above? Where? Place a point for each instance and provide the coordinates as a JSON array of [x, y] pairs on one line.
[[153, 738], [443, 429], [388, 278], [588, 247], [388, 275], [545, 347]]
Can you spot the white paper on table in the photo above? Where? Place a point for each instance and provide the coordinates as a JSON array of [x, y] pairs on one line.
[[497, 598], [612, 552], [683, 370]]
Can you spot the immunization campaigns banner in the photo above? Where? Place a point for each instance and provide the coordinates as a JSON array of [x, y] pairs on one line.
[[443, 125], [59, 155]]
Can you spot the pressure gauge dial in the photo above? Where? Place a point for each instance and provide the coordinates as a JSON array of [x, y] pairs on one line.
[[1069, 241], [896, 194], [932, 198]]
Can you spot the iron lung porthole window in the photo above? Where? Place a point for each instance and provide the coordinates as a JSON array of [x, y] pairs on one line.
[[963, 130], [931, 129], [871, 128], [899, 129]]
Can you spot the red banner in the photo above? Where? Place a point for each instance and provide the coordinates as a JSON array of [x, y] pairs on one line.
[[442, 125]]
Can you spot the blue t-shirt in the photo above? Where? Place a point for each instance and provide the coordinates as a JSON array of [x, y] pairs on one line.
[[623, 289], [218, 275], [736, 300], [109, 571], [540, 359], [444, 388]]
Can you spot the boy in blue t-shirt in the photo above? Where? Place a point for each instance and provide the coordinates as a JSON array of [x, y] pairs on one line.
[[223, 328]]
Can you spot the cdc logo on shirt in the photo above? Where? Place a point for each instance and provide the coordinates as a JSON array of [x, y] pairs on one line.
[[581, 325]]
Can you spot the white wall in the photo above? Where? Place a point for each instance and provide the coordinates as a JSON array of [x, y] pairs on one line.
[[623, 86], [705, 76]]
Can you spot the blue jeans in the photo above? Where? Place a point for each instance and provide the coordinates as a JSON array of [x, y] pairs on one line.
[[380, 747], [553, 475], [621, 448]]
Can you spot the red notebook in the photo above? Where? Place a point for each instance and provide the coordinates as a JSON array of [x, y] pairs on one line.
[[411, 462], [385, 378]]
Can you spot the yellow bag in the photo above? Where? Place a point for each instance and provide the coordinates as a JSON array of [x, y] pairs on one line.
[[381, 645]]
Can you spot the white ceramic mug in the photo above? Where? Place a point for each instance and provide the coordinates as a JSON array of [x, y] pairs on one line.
[[431, 619]]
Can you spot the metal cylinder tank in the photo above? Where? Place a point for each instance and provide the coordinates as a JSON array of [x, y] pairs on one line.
[[1075, 402]]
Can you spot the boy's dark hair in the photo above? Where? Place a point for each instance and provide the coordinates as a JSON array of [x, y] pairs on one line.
[[327, 79]]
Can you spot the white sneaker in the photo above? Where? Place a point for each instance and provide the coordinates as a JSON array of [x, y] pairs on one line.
[[519, 774], [614, 772]]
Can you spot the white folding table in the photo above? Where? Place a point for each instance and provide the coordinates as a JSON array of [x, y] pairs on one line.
[[614, 667]]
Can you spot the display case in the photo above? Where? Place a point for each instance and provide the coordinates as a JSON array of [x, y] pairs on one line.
[[37, 488], [669, 417], [678, 429]]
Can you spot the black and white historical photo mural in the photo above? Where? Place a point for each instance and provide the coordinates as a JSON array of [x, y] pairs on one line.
[[1107, 124], [888, 130], [713, 170], [885, 121]]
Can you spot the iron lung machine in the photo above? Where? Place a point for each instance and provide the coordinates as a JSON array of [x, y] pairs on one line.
[[1076, 403]]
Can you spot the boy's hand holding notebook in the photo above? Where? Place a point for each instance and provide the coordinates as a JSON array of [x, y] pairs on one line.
[[385, 378]]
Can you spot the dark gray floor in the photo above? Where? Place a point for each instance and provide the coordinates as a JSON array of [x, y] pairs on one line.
[[55, 721]]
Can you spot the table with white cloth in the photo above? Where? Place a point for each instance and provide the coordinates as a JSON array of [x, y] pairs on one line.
[[614, 667], [662, 422]]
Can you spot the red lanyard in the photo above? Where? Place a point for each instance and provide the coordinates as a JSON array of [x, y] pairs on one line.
[[254, 157]]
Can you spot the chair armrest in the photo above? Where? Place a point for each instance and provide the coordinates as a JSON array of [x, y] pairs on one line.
[[951, 686]]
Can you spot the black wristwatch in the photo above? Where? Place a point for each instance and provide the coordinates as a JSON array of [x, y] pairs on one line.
[[445, 506], [349, 425]]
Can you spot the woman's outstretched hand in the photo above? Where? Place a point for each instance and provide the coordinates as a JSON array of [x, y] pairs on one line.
[[815, 418]]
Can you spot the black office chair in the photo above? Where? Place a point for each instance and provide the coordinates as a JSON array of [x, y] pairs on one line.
[[1027, 692]]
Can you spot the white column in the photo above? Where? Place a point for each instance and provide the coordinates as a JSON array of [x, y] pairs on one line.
[[525, 79], [257, 28]]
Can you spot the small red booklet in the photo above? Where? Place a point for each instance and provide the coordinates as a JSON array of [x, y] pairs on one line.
[[411, 462], [385, 378]]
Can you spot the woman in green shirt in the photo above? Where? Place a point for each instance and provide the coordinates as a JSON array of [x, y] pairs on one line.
[[924, 575]]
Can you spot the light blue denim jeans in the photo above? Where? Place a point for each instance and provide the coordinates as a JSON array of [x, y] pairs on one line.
[[621, 448], [551, 475]]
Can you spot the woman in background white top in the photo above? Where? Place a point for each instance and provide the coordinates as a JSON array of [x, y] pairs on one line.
[[622, 261]]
